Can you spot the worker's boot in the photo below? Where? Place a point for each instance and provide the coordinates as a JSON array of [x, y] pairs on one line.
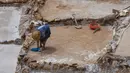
[[40, 45], [42, 48]]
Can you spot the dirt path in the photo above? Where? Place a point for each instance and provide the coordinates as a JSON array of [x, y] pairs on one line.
[[9, 21]]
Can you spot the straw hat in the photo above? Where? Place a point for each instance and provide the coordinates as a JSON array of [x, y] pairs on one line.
[[36, 35]]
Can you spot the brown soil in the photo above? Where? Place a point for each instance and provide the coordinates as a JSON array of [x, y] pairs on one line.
[[63, 9], [70, 45]]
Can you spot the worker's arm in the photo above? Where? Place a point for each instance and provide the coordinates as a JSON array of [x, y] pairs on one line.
[[48, 32]]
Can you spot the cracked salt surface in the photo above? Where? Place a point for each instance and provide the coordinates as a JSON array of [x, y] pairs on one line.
[[9, 19]]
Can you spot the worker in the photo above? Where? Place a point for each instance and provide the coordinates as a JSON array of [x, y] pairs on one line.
[[29, 30], [33, 25], [41, 34], [94, 26]]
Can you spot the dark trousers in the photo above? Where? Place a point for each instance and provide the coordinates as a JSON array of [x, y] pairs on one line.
[[43, 43]]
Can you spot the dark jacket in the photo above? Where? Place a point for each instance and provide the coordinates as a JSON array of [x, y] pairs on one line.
[[45, 31]]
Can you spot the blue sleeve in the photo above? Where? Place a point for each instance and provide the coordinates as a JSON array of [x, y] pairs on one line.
[[41, 28], [48, 31]]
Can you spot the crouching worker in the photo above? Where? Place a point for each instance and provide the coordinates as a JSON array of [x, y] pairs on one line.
[[41, 34], [28, 31]]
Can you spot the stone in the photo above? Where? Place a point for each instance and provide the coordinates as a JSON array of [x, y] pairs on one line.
[[78, 27], [68, 22], [55, 66], [38, 16], [123, 12], [22, 53], [92, 68], [29, 61], [73, 67], [33, 65], [28, 11], [113, 45], [25, 59], [25, 69], [18, 68], [40, 66], [19, 59], [25, 49], [35, 9], [28, 41], [47, 67]]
